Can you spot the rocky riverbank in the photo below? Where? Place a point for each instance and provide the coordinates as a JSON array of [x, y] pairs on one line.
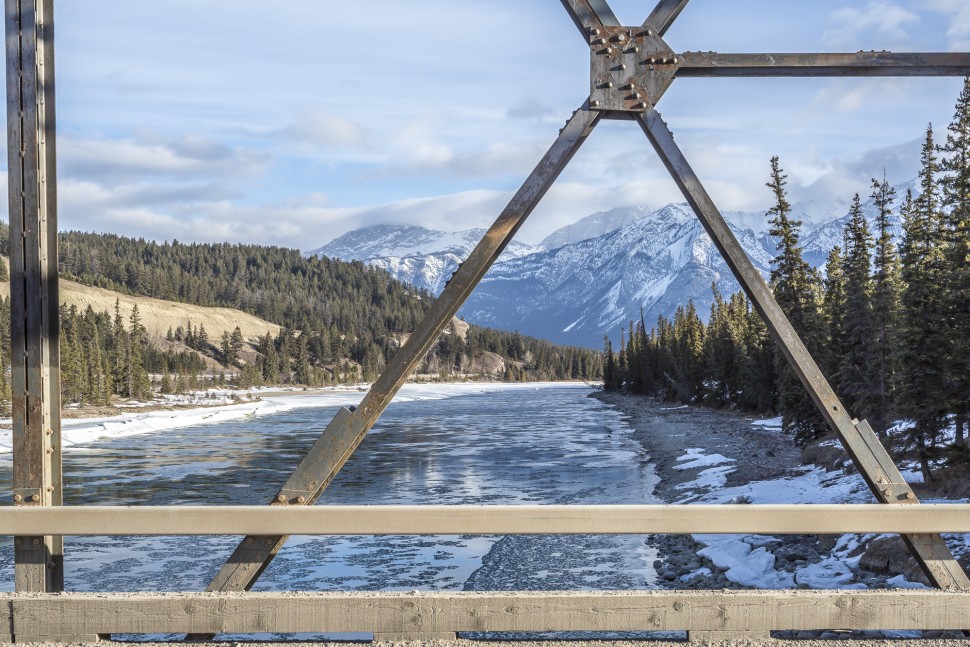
[[708, 456]]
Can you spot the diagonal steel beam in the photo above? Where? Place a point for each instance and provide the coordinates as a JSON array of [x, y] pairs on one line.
[[861, 443], [664, 15], [590, 14], [348, 428], [713, 64]]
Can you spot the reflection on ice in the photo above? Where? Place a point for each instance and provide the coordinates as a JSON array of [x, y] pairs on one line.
[[444, 445]]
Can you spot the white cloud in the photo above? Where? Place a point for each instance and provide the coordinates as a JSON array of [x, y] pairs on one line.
[[885, 19], [852, 95], [959, 16], [320, 127], [187, 156]]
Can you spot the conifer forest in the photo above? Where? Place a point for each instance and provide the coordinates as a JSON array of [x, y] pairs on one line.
[[887, 320], [341, 322]]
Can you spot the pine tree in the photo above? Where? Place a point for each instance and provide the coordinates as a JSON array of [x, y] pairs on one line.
[[797, 289], [855, 365], [834, 309], [923, 340], [611, 380], [229, 357], [886, 287], [955, 165]]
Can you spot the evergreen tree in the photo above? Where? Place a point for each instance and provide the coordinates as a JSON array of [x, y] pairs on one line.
[[955, 165], [855, 375], [797, 289], [886, 287], [611, 379], [834, 309], [923, 340]]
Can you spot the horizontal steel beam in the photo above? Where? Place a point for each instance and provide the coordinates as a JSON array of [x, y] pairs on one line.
[[712, 64], [257, 521], [424, 613]]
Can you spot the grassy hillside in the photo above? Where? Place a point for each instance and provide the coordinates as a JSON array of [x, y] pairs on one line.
[[158, 316]]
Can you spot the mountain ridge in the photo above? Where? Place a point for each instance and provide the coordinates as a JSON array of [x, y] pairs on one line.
[[574, 288]]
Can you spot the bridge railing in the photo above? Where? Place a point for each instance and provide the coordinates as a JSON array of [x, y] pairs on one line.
[[704, 614]]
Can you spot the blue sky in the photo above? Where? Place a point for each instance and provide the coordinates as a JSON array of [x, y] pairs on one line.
[[292, 122]]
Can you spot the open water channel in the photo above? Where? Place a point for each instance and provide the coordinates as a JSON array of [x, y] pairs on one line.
[[550, 444]]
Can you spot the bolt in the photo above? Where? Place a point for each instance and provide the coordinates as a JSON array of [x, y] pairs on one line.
[[609, 84], [609, 50], [636, 49], [636, 95], [19, 542], [910, 496], [649, 32], [17, 497], [641, 106], [35, 541], [620, 38], [652, 60], [628, 86], [887, 492], [35, 497], [269, 542], [594, 31], [50, 564], [50, 450], [599, 41], [622, 66], [674, 61], [249, 540], [280, 498], [594, 103], [300, 499]]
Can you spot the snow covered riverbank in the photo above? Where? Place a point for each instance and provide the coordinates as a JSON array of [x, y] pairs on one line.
[[251, 404], [709, 457]]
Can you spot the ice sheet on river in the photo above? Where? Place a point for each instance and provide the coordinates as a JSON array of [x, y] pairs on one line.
[[81, 431]]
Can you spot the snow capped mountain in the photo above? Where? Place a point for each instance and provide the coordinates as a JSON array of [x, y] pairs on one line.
[[422, 257], [593, 226], [592, 278], [577, 293], [817, 244]]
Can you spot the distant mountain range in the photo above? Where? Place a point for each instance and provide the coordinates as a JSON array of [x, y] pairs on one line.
[[593, 277]]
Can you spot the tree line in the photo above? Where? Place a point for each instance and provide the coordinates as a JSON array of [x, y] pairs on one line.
[[888, 321], [340, 322]]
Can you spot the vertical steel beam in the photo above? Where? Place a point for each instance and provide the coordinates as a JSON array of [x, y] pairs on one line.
[[33, 283], [348, 428], [862, 445]]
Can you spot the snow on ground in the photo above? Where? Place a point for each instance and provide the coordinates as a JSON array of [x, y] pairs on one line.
[[695, 458], [771, 424], [745, 558], [254, 402]]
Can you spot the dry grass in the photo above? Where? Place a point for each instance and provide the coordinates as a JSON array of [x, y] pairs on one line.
[[158, 316]]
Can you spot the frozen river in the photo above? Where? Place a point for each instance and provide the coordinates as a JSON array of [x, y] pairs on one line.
[[546, 444]]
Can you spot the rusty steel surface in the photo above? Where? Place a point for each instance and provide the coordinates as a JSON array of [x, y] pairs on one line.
[[630, 68], [713, 64], [664, 15], [35, 392]]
